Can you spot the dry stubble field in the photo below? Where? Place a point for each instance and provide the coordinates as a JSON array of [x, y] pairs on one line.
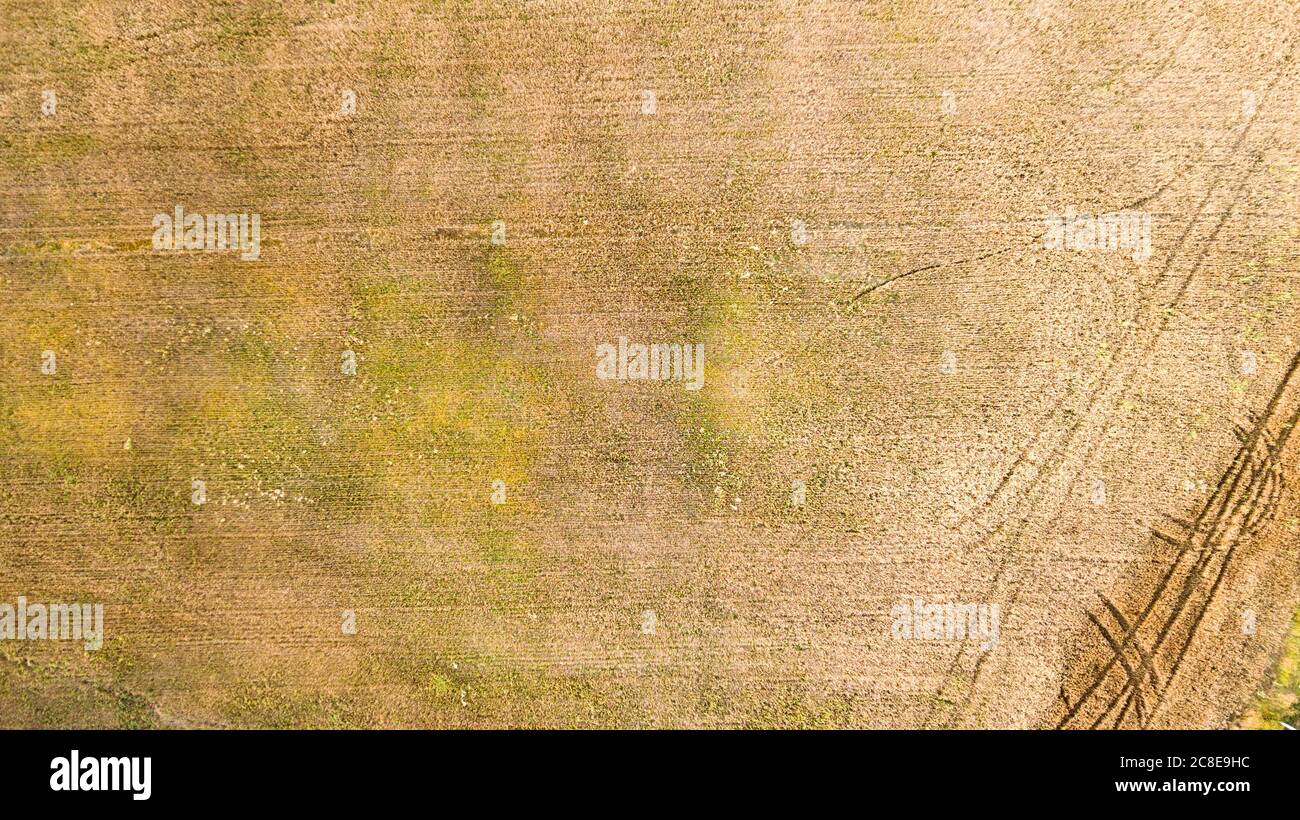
[[843, 202]]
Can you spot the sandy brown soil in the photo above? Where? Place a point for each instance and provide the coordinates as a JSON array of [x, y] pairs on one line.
[[844, 202]]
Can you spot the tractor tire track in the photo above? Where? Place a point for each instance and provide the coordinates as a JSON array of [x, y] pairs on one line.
[[1245, 499], [1034, 495]]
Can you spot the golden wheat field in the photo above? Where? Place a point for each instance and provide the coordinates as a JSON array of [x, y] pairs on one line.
[[649, 364]]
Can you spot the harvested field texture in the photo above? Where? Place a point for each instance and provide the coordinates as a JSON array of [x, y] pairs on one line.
[[649, 364]]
